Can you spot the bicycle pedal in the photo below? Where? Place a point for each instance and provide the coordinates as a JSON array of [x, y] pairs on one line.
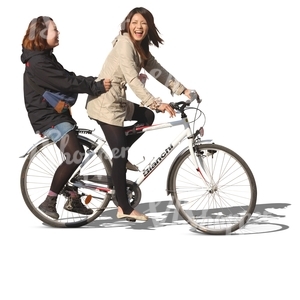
[[130, 219]]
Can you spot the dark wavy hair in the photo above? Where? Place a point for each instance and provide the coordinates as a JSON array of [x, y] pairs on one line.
[[36, 34], [153, 33]]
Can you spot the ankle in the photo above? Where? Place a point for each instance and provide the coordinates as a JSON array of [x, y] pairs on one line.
[[124, 211], [52, 194]]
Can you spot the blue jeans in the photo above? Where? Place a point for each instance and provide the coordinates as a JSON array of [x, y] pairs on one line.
[[59, 131]]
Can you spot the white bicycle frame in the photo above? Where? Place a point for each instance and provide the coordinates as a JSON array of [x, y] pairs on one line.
[[185, 133]]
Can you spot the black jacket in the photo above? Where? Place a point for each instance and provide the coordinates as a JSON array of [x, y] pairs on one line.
[[47, 73]]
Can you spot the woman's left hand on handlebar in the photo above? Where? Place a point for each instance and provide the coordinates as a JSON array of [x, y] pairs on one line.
[[187, 92]]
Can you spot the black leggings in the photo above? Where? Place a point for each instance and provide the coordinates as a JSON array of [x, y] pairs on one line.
[[74, 154], [119, 144]]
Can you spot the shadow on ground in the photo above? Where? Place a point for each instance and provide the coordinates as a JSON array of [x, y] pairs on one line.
[[266, 218]]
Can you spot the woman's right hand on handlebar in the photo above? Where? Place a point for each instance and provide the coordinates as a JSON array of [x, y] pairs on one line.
[[163, 107]]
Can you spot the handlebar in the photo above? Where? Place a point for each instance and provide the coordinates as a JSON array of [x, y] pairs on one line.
[[181, 105], [194, 96]]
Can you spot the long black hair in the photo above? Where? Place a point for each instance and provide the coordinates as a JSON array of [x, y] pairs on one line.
[[152, 36]]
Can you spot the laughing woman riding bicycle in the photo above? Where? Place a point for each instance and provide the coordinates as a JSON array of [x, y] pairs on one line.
[[43, 73], [129, 55]]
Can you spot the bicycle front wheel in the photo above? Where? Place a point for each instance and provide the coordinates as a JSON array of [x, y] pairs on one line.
[[217, 198], [37, 174]]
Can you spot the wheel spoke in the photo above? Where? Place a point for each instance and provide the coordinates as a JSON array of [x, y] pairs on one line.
[[224, 201], [36, 177]]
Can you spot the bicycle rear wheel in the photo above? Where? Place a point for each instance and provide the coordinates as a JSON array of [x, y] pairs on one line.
[[36, 177], [220, 196]]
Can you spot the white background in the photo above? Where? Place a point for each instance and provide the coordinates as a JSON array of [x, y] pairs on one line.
[[243, 59]]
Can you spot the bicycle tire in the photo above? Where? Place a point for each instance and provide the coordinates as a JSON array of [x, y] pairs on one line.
[[222, 199], [37, 173]]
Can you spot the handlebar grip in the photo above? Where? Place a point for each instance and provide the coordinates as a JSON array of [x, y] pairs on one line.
[[194, 96]]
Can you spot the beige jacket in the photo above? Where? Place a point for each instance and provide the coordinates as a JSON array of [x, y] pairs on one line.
[[122, 66]]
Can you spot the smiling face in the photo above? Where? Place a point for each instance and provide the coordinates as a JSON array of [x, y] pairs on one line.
[[52, 36], [138, 27]]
